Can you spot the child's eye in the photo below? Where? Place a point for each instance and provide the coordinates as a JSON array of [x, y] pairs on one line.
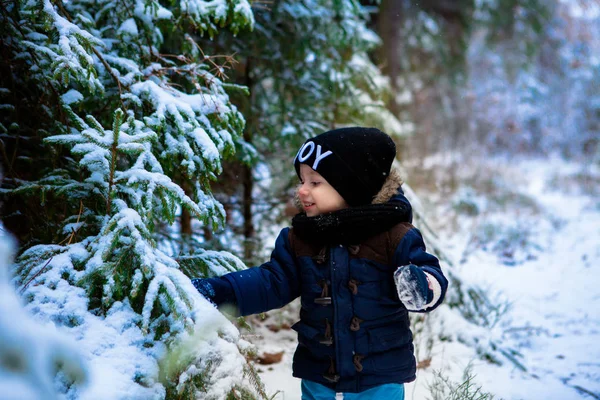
[[315, 183]]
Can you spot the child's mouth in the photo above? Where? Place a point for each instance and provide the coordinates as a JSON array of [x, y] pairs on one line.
[[308, 205]]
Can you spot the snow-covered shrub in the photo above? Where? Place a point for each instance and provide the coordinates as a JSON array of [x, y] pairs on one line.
[[36, 362], [468, 202], [585, 181], [476, 304], [135, 121], [443, 388], [512, 241]]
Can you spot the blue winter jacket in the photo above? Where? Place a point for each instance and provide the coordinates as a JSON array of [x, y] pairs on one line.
[[353, 331]]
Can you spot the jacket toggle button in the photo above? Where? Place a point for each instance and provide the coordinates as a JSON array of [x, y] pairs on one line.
[[321, 257], [355, 324], [353, 286], [331, 375], [356, 359], [328, 339], [325, 299], [354, 249]]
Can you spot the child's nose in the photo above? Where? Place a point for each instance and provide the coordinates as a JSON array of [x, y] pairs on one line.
[[302, 190]]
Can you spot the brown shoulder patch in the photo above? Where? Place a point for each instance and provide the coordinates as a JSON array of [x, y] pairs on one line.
[[373, 249], [395, 236], [398, 232], [381, 247]]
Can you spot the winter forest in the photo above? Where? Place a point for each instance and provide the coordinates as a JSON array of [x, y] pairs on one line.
[[146, 142]]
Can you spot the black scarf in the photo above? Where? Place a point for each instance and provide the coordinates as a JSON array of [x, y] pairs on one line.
[[352, 225]]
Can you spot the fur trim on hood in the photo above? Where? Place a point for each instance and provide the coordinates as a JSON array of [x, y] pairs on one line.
[[389, 188]]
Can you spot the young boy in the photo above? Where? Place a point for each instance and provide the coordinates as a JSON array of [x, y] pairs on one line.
[[357, 264]]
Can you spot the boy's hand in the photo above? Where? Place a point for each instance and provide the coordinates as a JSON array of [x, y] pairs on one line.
[[205, 289], [413, 287], [217, 291]]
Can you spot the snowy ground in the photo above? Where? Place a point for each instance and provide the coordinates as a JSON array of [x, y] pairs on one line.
[[527, 232]]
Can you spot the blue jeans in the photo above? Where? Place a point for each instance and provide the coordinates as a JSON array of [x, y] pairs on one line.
[[389, 391]]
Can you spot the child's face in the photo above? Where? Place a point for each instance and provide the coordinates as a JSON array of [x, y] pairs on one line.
[[316, 194]]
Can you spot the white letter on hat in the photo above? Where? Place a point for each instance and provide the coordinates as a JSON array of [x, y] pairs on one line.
[[301, 156], [320, 157]]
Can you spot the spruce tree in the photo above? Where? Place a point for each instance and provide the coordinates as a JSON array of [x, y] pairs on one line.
[[126, 121]]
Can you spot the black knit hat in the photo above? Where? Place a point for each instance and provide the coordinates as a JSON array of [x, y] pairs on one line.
[[355, 161]]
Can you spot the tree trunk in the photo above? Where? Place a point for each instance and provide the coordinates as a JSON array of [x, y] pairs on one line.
[[247, 179], [185, 220], [247, 211], [390, 17]]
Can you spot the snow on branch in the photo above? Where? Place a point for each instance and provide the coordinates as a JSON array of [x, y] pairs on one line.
[[33, 356], [209, 263], [207, 16], [196, 128], [71, 56]]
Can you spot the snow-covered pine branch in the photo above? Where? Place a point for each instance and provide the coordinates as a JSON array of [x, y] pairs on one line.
[[32, 354], [209, 263], [209, 16], [132, 112]]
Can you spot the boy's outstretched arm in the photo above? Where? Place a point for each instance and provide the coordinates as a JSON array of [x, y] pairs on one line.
[[257, 289], [419, 280]]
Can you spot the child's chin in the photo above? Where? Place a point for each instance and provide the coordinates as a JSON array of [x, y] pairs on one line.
[[311, 213]]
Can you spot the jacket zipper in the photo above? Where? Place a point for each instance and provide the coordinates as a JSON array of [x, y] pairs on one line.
[[335, 309]]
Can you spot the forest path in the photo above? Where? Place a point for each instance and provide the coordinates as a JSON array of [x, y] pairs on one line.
[[543, 258], [556, 297]]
